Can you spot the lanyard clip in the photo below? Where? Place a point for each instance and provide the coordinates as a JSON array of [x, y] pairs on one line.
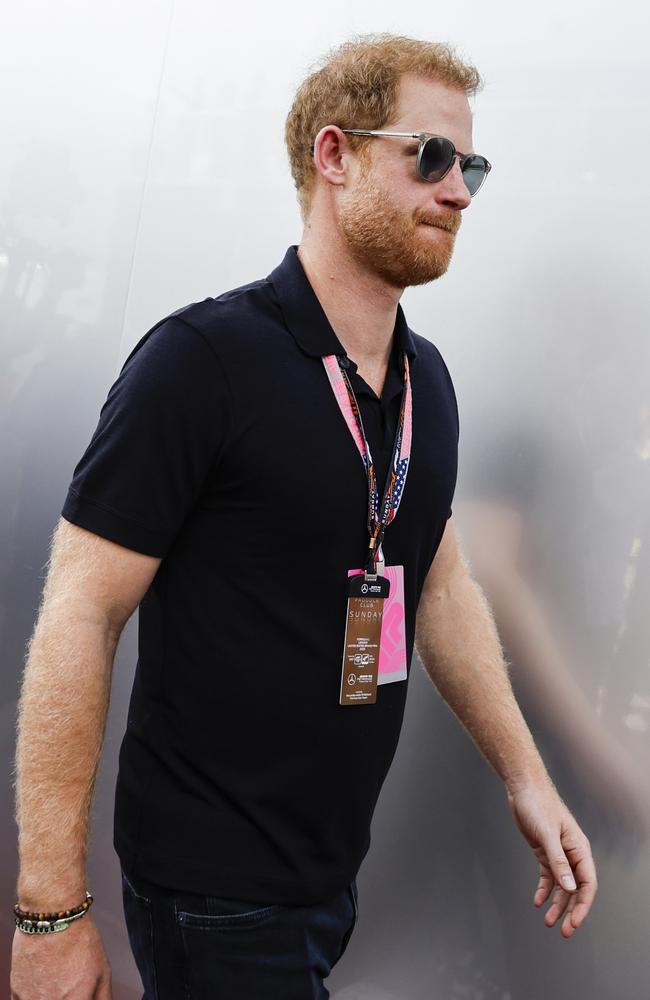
[[379, 566]]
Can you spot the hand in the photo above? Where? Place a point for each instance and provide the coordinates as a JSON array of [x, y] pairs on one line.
[[563, 851], [70, 963]]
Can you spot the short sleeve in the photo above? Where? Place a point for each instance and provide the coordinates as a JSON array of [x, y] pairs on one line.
[[160, 433]]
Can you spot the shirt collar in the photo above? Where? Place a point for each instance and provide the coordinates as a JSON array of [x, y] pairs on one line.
[[306, 319]]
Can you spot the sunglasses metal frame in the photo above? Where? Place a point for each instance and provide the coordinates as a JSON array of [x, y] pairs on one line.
[[423, 137]]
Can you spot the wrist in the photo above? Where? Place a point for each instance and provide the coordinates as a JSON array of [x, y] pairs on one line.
[[534, 778], [47, 896], [29, 922]]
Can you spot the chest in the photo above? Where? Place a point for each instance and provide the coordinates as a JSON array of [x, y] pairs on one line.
[[291, 467]]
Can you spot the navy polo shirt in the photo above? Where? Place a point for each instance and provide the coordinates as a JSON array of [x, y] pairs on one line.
[[221, 449]]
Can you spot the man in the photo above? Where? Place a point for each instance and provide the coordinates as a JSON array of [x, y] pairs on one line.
[[234, 491]]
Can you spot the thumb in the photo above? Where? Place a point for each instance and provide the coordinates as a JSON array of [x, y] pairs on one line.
[[559, 865]]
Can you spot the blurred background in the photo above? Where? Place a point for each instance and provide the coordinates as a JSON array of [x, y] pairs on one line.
[[144, 168]]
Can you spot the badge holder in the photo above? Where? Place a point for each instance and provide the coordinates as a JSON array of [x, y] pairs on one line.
[[366, 595]]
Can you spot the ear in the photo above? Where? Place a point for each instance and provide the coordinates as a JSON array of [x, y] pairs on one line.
[[331, 153]]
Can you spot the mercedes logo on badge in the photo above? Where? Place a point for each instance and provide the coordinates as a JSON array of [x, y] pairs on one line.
[[364, 588]]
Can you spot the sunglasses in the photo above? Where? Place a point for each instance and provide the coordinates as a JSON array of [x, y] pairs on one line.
[[436, 157]]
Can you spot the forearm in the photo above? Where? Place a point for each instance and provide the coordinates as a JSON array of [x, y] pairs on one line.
[[61, 723], [459, 646]]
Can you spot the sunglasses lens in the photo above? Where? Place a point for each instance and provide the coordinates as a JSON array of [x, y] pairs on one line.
[[474, 173], [437, 155], [436, 158]]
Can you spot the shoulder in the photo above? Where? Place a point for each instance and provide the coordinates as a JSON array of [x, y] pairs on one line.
[[234, 304], [240, 316], [432, 359], [197, 331], [434, 372]]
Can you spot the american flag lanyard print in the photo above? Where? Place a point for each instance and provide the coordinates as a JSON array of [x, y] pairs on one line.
[[379, 515]]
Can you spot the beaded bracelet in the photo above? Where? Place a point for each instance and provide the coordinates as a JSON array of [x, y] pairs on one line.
[[32, 922], [47, 926]]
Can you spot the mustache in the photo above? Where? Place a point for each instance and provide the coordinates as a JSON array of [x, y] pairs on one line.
[[451, 225]]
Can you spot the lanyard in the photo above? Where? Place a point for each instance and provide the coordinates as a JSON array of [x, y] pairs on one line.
[[381, 514]]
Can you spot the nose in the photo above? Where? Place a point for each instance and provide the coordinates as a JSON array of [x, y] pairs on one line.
[[452, 190]]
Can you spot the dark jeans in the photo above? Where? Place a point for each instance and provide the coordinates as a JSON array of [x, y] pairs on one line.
[[194, 947]]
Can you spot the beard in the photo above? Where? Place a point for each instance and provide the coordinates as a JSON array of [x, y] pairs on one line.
[[390, 244]]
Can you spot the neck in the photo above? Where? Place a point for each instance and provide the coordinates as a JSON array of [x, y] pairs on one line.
[[360, 307]]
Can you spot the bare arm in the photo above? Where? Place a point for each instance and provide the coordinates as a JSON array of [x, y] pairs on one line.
[[93, 585], [459, 646], [613, 781], [496, 536], [457, 641]]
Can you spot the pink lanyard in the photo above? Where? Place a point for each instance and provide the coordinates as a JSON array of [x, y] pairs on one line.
[[379, 516]]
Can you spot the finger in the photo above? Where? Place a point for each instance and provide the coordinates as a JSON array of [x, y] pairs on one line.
[[585, 870], [559, 864], [546, 881], [568, 928], [578, 903], [579, 910], [544, 887], [560, 900]]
